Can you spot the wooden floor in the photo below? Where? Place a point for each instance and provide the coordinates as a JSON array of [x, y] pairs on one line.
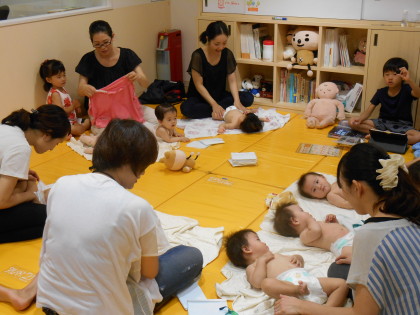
[[215, 193]]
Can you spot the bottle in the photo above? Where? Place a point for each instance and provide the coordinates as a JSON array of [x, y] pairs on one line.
[[268, 50], [404, 20]]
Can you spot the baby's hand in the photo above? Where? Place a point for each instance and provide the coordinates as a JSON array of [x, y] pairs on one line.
[[297, 260], [221, 129], [342, 260], [184, 139], [302, 289], [331, 218], [266, 119]]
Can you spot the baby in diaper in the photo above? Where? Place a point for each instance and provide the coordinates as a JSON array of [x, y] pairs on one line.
[[247, 121], [277, 274], [290, 220]]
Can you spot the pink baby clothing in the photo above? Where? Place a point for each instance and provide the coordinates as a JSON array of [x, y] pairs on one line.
[[116, 100], [65, 102]]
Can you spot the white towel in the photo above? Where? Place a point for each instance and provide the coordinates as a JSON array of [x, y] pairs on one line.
[[185, 231], [248, 301], [207, 127]]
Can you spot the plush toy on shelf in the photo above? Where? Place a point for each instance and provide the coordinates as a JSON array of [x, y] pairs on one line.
[[305, 41], [246, 84], [289, 51], [256, 85], [176, 160], [323, 111], [360, 53]]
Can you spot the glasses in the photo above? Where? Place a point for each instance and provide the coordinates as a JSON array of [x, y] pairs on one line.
[[104, 44]]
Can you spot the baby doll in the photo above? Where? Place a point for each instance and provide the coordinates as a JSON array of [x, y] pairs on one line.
[[278, 274], [323, 111], [314, 185], [166, 116], [290, 220], [247, 121]]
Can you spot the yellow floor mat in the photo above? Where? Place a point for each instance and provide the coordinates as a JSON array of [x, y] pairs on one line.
[[215, 193]]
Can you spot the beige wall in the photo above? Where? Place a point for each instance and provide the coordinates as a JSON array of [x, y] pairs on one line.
[[184, 15], [24, 46]]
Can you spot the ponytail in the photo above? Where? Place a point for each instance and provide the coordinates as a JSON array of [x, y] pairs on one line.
[[203, 37], [214, 29], [49, 119]]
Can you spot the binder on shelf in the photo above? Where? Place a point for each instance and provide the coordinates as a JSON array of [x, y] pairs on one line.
[[244, 42], [257, 45], [352, 97]]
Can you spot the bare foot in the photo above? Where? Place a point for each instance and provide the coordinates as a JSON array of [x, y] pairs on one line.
[[19, 299]]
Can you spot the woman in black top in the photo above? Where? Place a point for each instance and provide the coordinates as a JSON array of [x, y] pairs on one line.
[[209, 68], [107, 62]]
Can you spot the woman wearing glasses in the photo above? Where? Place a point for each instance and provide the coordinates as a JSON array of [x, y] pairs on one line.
[[107, 62]]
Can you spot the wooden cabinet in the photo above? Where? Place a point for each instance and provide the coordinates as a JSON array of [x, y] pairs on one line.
[[383, 45], [391, 40]]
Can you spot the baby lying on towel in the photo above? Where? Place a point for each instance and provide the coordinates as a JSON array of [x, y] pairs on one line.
[[278, 274], [290, 220]]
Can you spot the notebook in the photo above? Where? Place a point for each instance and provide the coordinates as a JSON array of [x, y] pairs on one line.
[[389, 141]]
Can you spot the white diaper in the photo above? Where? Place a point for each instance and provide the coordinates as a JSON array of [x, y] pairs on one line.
[[228, 109], [316, 294], [337, 246]]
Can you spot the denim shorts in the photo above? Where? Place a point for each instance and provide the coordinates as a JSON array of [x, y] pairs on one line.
[[399, 126]]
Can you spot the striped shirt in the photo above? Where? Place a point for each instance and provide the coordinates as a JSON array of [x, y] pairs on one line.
[[386, 261]]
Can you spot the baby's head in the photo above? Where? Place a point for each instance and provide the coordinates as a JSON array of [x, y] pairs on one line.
[[166, 115], [313, 185], [251, 123], [290, 220], [244, 247], [52, 72]]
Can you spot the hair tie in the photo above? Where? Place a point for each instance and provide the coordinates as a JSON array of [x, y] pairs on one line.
[[34, 111], [389, 172]]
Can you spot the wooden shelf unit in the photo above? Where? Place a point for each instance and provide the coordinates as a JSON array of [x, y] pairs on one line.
[[384, 40]]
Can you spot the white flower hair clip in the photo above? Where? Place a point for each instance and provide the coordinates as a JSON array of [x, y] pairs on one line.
[[389, 171]]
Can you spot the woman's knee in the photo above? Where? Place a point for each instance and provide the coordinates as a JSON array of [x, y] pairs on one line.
[[246, 98]]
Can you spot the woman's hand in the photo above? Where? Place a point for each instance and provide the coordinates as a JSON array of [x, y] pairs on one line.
[[87, 90], [287, 305], [297, 260], [132, 76], [218, 112]]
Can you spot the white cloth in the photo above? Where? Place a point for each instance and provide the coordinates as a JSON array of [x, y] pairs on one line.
[[78, 147], [15, 152], [316, 293], [249, 301], [95, 234], [207, 127]]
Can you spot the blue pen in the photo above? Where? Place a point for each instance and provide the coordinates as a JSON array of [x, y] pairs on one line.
[[280, 18]]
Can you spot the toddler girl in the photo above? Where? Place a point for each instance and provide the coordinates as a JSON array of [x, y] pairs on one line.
[[315, 186], [53, 74], [166, 116], [247, 121]]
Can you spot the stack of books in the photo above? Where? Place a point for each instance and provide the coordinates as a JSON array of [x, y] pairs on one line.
[[252, 36], [296, 87], [243, 159]]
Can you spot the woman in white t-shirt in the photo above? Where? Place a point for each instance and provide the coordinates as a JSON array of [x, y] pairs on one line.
[[384, 272], [103, 249], [22, 217]]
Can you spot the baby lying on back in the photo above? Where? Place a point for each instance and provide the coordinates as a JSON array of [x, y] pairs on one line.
[[247, 121], [315, 186], [290, 220]]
